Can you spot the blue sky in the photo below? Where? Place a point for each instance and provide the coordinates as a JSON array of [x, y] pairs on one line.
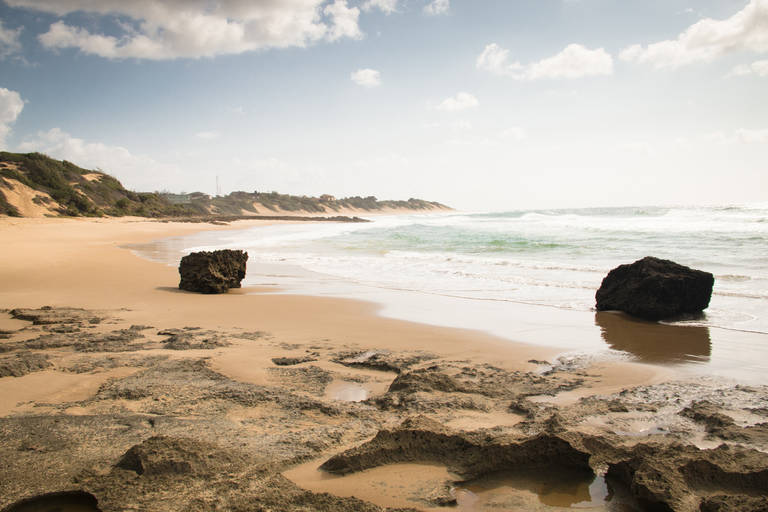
[[478, 104]]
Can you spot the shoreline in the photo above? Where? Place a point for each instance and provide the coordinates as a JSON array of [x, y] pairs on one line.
[[571, 333], [81, 275], [144, 369]]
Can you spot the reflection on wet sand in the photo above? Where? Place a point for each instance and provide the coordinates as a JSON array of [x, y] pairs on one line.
[[346, 391], [653, 342]]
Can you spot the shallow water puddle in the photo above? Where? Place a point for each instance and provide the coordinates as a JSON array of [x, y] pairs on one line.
[[543, 490], [393, 485], [553, 489], [346, 391], [423, 485]]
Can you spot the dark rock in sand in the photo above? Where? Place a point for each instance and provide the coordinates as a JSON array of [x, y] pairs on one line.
[[212, 272], [655, 289], [292, 361]]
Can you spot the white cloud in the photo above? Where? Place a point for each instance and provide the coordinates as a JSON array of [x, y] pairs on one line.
[[636, 147], [499, 140], [495, 59], [366, 77], [759, 68], [461, 101], [707, 39], [208, 135], [9, 41], [385, 6], [11, 106], [135, 171], [574, 61], [198, 28], [437, 7], [515, 133], [739, 136], [453, 125], [751, 136], [344, 21]]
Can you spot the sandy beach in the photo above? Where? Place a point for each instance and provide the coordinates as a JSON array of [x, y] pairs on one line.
[[80, 263], [139, 361]]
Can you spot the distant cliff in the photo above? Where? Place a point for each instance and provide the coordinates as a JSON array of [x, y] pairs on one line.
[[35, 185]]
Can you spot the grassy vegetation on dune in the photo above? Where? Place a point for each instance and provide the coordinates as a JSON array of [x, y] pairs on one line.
[[81, 192], [274, 201], [77, 195], [6, 208]]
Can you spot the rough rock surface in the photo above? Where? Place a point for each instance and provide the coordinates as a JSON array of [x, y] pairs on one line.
[[48, 315], [212, 272], [382, 360], [292, 361], [667, 477], [169, 431], [420, 439], [655, 289], [22, 363]]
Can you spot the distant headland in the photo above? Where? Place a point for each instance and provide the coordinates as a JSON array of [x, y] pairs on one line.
[[35, 185]]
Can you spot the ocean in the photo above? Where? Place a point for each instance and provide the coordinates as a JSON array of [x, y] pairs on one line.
[[527, 275]]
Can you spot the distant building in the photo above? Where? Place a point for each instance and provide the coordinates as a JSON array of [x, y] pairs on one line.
[[178, 198]]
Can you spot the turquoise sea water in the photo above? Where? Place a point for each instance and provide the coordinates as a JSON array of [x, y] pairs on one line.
[[502, 272]]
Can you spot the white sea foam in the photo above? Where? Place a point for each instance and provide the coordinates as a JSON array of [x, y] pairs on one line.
[[555, 258]]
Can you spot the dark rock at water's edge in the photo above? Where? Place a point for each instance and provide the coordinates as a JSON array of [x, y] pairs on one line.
[[212, 272], [655, 289]]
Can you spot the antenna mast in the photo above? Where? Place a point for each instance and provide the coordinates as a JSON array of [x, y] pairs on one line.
[[218, 187]]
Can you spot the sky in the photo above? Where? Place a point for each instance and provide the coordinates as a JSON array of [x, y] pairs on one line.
[[479, 104]]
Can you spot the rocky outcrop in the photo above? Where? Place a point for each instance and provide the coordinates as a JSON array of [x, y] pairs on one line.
[[657, 476], [468, 454], [22, 364], [212, 272], [382, 360], [48, 315], [720, 425], [172, 433], [655, 289], [679, 478]]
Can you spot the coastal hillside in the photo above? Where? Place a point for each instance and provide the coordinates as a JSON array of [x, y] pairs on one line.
[[35, 185]]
